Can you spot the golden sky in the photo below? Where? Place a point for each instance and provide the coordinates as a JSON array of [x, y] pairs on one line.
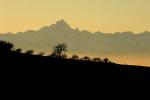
[[93, 15]]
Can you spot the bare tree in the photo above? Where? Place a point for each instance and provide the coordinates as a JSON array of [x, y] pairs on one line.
[[59, 50]]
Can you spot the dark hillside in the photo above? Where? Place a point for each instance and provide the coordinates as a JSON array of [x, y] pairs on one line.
[[68, 68]]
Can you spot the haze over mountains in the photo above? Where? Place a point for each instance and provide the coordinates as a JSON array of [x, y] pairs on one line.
[[121, 47], [80, 41]]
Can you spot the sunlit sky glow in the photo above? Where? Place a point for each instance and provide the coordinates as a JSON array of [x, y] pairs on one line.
[[93, 15]]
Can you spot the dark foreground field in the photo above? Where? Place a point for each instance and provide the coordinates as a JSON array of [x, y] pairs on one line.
[[34, 66]]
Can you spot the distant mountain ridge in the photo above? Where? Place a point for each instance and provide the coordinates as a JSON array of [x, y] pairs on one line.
[[80, 41]]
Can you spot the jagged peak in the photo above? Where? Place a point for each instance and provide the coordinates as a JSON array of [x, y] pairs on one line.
[[61, 24]]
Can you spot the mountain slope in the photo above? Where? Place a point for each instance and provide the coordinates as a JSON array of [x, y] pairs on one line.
[[80, 41]]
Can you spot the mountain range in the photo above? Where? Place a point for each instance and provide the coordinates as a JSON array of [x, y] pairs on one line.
[[80, 41]]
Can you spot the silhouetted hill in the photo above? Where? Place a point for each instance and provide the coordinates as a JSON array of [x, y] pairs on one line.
[[80, 41], [28, 64]]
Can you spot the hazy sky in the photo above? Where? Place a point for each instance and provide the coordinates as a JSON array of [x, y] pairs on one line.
[[102, 15]]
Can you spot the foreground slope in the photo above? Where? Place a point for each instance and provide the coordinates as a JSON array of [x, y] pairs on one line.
[[27, 64]]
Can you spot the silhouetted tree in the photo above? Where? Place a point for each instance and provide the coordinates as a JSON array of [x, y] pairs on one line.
[[106, 60], [86, 58], [5, 46], [29, 52], [18, 50], [59, 50], [97, 59], [75, 57]]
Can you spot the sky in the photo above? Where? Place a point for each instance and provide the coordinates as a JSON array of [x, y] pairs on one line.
[[93, 15]]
